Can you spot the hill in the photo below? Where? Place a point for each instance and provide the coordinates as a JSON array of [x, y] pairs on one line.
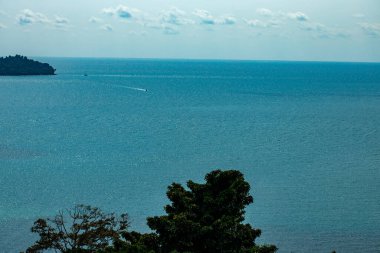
[[20, 65]]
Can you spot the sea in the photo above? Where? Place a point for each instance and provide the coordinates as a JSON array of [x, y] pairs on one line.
[[114, 133]]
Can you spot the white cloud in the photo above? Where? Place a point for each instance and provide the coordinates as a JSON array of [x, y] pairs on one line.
[[262, 24], [110, 11], [265, 12], [273, 19], [227, 20], [170, 30], [95, 20], [139, 33], [175, 16], [207, 19], [299, 16], [322, 31], [107, 27], [205, 16], [314, 27], [371, 29], [29, 17], [333, 34], [2, 26], [61, 22], [121, 11], [164, 27], [167, 21], [255, 23]]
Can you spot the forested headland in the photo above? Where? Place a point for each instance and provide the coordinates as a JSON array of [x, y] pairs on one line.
[[20, 66]]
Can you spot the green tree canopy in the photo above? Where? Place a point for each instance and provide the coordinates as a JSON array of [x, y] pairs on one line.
[[20, 65], [208, 217], [204, 218]]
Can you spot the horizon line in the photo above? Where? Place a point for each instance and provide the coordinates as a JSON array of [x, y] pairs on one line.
[[200, 59]]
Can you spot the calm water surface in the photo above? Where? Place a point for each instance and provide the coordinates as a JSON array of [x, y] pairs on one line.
[[306, 136]]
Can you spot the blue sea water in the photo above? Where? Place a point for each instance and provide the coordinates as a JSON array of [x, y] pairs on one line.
[[305, 134]]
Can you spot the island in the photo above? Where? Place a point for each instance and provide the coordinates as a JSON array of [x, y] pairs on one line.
[[19, 65]]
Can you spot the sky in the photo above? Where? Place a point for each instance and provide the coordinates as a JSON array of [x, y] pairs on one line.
[[301, 30]]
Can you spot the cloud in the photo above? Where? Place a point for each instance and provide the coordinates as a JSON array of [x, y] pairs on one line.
[[262, 24], [371, 29], [140, 33], [25, 20], [107, 27], [2, 26], [167, 21], [167, 29], [175, 16], [207, 19], [314, 27], [170, 30], [256, 23], [322, 31], [60, 22], [227, 20], [205, 16], [298, 16], [29, 17], [95, 20], [265, 12], [333, 34], [273, 19], [121, 11]]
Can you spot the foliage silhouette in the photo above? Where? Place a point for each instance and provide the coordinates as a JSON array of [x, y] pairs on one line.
[[205, 218], [208, 217], [20, 65], [81, 229]]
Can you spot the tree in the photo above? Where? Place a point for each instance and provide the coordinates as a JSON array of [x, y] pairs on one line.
[[20, 65], [208, 217], [205, 218], [138, 243], [80, 229]]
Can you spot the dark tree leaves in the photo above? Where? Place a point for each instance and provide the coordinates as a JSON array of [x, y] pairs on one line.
[[208, 217]]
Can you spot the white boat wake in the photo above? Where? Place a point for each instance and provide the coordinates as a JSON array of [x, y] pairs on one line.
[[130, 88]]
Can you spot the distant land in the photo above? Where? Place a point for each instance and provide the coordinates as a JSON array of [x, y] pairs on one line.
[[20, 66]]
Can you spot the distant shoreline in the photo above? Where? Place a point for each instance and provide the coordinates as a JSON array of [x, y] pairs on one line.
[[22, 66]]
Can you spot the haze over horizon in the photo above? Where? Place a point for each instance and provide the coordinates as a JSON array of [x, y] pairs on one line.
[[246, 30]]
